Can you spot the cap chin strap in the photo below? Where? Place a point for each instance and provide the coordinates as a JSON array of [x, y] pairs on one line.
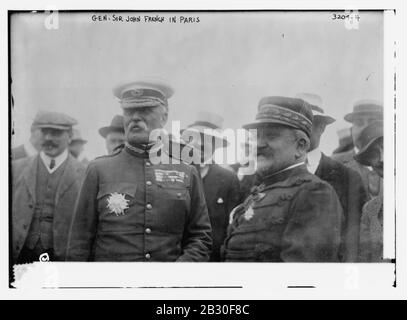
[[140, 147]]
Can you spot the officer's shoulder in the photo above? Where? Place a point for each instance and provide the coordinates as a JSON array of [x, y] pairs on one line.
[[105, 158]]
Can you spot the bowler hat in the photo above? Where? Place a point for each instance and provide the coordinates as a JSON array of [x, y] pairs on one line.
[[116, 125], [369, 135], [76, 136]]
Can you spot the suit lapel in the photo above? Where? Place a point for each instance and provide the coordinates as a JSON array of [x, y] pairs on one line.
[[30, 176], [69, 176], [321, 167], [326, 169]]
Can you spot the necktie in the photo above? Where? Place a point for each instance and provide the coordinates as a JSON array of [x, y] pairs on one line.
[[52, 164]]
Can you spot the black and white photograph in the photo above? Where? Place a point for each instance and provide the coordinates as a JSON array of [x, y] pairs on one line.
[[225, 143]]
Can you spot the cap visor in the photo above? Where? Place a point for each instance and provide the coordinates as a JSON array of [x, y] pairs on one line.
[[260, 123], [327, 119], [53, 126]]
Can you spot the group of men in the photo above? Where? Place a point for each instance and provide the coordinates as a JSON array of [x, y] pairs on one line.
[[299, 206]]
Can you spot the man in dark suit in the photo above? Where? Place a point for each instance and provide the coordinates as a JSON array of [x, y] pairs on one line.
[[221, 186], [364, 113], [44, 191], [346, 182]]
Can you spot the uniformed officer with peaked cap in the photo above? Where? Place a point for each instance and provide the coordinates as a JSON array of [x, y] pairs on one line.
[[132, 209], [292, 215]]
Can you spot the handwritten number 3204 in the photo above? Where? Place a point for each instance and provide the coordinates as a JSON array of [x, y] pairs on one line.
[[336, 16]]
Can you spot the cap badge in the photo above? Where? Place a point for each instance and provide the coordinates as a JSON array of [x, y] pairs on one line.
[[136, 93], [117, 203], [220, 201]]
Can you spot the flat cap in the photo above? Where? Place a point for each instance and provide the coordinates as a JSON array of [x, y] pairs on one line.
[[55, 120], [116, 125], [369, 135], [150, 92], [363, 108], [316, 105], [292, 112]]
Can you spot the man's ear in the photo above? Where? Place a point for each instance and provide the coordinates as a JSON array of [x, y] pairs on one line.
[[164, 116], [302, 147]]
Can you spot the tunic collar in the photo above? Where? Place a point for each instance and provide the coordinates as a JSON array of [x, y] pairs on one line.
[[283, 174], [139, 150]]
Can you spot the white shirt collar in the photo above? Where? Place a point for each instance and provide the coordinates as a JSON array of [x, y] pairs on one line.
[[29, 149], [58, 160], [293, 166], [204, 170], [313, 157]]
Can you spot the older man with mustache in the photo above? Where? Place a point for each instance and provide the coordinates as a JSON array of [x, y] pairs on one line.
[[131, 208], [292, 215], [44, 190]]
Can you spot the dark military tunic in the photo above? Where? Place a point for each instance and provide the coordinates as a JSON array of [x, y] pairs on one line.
[[292, 216], [166, 218]]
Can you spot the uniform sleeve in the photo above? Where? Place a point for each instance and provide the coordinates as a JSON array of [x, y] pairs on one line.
[[313, 230], [84, 223], [197, 239]]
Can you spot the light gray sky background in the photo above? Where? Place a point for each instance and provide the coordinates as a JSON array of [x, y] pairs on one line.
[[225, 64]]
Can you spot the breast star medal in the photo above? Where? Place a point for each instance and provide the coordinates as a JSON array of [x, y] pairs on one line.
[[249, 213], [117, 203]]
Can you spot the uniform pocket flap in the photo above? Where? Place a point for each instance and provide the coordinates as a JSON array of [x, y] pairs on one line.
[[128, 188]]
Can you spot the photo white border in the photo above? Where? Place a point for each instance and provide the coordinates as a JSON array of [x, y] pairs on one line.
[[260, 281]]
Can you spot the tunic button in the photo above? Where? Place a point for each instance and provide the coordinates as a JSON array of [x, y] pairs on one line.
[[149, 206], [148, 230], [149, 183], [148, 256]]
